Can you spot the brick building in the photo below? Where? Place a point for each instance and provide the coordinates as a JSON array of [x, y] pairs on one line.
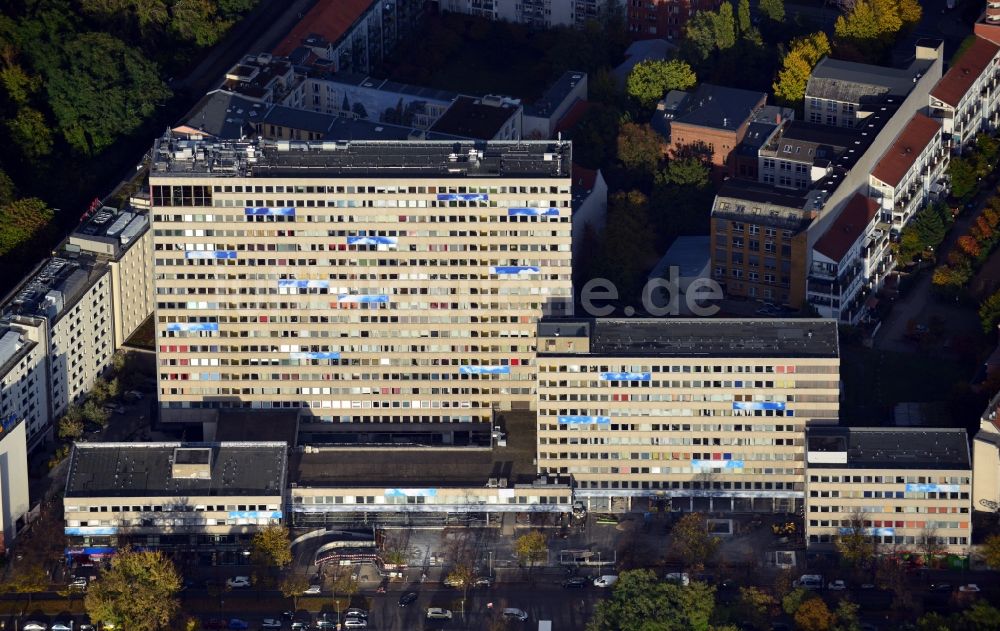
[[663, 18]]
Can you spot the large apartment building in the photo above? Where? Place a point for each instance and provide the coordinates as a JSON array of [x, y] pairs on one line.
[[24, 388], [709, 414], [392, 284], [907, 488], [966, 100]]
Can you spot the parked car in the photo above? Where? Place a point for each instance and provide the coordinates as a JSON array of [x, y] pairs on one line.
[[605, 581], [355, 623], [483, 581], [678, 577], [437, 613], [270, 623], [407, 598], [969, 587], [78, 584], [299, 625], [238, 582], [513, 613], [323, 625], [575, 582], [837, 585], [34, 625], [238, 625], [312, 590], [62, 625], [940, 587], [356, 612]]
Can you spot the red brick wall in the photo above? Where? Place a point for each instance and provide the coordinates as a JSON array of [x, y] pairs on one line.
[[663, 19]]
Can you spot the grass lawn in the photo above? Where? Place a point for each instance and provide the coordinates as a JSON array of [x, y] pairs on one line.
[[875, 381]]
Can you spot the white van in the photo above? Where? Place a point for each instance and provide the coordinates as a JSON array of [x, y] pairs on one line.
[[605, 581], [809, 581]]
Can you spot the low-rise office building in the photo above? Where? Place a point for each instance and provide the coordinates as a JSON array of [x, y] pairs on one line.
[[207, 498], [908, 488], [709, 414]]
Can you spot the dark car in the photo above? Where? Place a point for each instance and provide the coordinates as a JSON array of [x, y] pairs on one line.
[[575, 582], [407, 598], [215, 623], [940, 587]]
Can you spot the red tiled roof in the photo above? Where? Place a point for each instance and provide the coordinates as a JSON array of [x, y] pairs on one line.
[[328, 18], [898, 158], [963, 73], [584, 178], [846, 228]]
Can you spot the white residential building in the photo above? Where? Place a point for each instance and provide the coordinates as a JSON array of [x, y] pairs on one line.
[[23, 383], [965, 101]]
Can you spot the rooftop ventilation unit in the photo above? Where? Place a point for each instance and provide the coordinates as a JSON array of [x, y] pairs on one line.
[[192, 463]]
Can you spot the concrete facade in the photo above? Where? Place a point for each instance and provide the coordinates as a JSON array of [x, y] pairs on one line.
[[13, 480], [23, 384]]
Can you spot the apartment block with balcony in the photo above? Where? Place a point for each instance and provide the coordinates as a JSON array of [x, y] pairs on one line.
[[708, 414], [965, 101], [849, 262], [207, 499], [391, 284], [910, 171], [759, 245], [901, 486], [838, 91], [24, 394]]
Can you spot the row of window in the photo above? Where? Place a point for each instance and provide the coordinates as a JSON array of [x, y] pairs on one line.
[[890, 479]]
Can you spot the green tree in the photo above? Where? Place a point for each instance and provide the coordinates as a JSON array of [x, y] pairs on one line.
[[755, 606], [691, 541], [7, 189], [198, 21], [18, 85], [793, 600], [743, 24], [870, 22], [930, 226], [963, 178], [991, 551], [846, 617], [531, 547], [797, 65], [100, 391], [27, 577], [989, 313], [103, 89], [31, 133], [725, 27], [813, 615], [95, 413], [292, 585], [270, 547], [21, 221], [651, 79], [774, 10], [641, 602], [628, 247], [640, 148], [981, 616], [138, 592], [70, 428], [910, 12], [689, 171], [855, 544], [699, 35]]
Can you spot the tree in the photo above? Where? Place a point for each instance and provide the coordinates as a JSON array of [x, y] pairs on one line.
[[774, 10], [343, 583], [743, 24], [198, 21], [462, 575], [292, 586], [869, 22], [855, 544], [70, 428], [640, 148], [628, 246], [846, 616], [93, 412], [100, 392], [755, 606], [930, 544], [641, 602], [689, 171], [691, 540], [963, 178], [797, 65], [270, 547], [699, 35], [725, 27], [910, 12], [531, 547], [31, 133], [101, 90], [813, 615], [594, 136], [21, 221], [991, 551], [930, 226], [794, 599], [989, 313], [652, 78], [18, 85], [970, 246], [28, 577], [138, 592], [7, 189], [981, 616]]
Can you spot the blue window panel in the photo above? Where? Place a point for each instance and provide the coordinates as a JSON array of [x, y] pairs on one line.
[[269, 212], [738, 384], [304, 284], [716, 464], [932, 488], [532, 212], [626, 376], [758, 405], [210, 254], [371, 240], [484, 370], [584, 420], [727, 456], [463, 197], [364, 299], [513, 270], [255, 514], [316, 355], [193, 326]]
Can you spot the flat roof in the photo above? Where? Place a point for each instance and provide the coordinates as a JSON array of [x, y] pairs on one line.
[[891, 447], [807, 142], [847, 228], [414, 466], [176, 157], [964, 71], [691, 255], [479, 119], [764, 204], [145, 470], [719, 107], [555, 94], [265, 426], [106, 225], [13, 347], [901, 156], [701, 337], [55, 287], [853, 82]]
